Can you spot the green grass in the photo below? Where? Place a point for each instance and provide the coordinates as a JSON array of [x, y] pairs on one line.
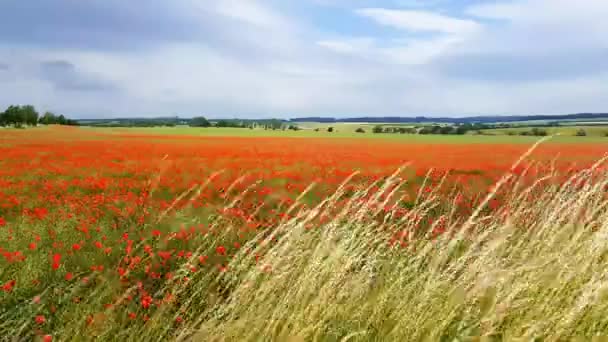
[[342, 132]]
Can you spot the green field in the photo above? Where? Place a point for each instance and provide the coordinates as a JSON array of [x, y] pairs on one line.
[[591, 130]]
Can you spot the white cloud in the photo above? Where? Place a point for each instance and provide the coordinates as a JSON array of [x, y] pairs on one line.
[[361, 45], [447, 32], [250, 58], [396, 52], [251, 12], [419, 21], [549, 23]]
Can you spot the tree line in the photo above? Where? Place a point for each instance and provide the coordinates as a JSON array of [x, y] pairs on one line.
[[433, 129], [19, 116], [269, 124]]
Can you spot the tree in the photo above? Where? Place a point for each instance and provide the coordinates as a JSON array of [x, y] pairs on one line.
[[538, 132], [377, 129], [200, 122], [29, 115], [360, 130], [12, 116], [330, 129], [61, 120], [3, 119], [446, 130], [581, 133], [464, 128], [48, 118], [435, 129]]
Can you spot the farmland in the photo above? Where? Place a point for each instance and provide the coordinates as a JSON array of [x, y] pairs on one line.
[[185, 233], [565, 134], [564, 130]]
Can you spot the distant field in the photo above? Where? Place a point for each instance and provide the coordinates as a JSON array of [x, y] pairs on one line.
[[591, 130], [348, 131], [349, 127], [563, 122]]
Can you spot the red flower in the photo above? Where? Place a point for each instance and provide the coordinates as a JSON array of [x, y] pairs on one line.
[[56, 261], [221, 250], [32, 246], [69, 276], [40, 319], [146, 301], [76, 247], [166, 255], [47, 338], [8, 286]]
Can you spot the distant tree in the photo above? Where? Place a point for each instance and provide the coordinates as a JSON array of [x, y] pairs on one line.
[[581, 133], [61, 120], [71, 122], [48, 119], [538, 132], [200, 122], [330, 129], [446, 130], [19, 115], [12, 116], [463, 129], [359, 130], [435, 129], [425, 130], [222, 123], [316, 129], [377, 129], [29, 115], [4, 118], [405, 130]]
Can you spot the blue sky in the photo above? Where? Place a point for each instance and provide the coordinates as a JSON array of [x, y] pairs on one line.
[[286, 58]]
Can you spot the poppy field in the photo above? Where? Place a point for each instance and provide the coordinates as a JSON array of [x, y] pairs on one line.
[[131, 235]]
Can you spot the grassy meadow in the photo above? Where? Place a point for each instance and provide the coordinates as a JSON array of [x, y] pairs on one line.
[[227, 234]]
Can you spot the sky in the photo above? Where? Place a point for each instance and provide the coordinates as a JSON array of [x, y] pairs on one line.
[[294, 58]]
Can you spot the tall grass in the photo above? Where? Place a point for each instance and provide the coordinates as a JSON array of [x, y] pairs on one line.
[[537, 272], [534, 270]]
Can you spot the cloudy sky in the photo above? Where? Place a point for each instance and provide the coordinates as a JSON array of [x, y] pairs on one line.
[[286, 58]]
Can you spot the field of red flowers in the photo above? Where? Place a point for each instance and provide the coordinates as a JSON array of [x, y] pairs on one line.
[[99, 226]]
